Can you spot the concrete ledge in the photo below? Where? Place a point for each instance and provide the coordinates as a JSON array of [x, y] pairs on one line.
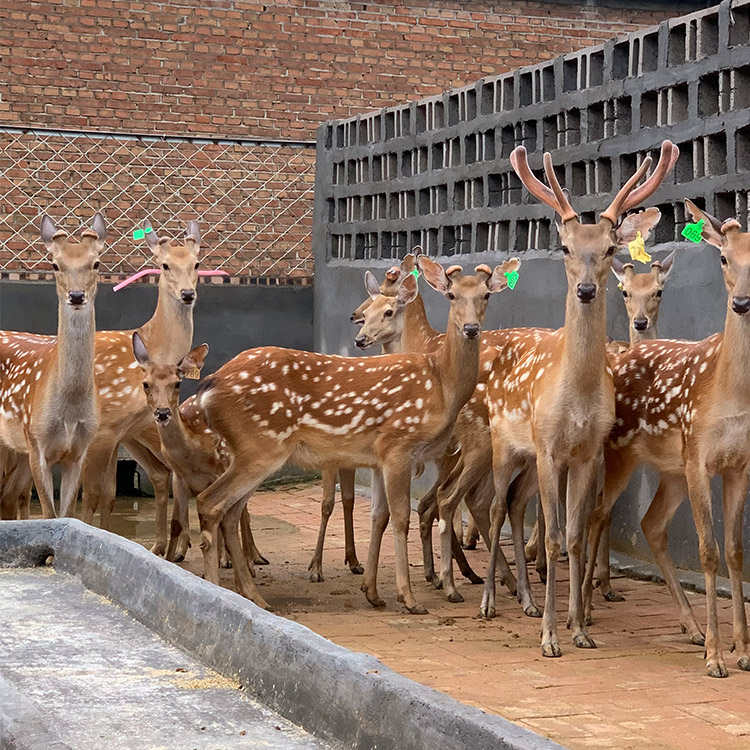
[[22, 726], [344, 697]]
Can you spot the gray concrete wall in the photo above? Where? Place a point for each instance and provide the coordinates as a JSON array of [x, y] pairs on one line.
[[436, 173]]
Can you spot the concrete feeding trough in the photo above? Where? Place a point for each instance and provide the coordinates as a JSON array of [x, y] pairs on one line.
[[115, 644]]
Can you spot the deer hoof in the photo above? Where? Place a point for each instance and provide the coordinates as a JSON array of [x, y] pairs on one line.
[[226, 564], [698, 639], [469, 545], [357, 569], [613, 596], [455, 597], [486, 612], [551, 649], [475, 579], [588, 621], [316, 577], [376, 601], [532, 611], [583, 641], [716, 669], [260, 560], [744, 663], [437, 583], [417, 609]]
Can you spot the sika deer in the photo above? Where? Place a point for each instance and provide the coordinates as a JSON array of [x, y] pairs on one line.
[[48, 400], [552, 403], [684, 408], [389, 413]]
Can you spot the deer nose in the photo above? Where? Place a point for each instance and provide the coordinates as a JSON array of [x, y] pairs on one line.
[[640, 324], [162, 415], [188, 296], [360, 342], [471, 330], [741, 305], [76, 298], [586, 292]]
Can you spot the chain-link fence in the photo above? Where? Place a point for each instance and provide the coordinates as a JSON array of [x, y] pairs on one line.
[[253, 199]]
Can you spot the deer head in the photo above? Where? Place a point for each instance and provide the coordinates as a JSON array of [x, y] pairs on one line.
[[383, 320], [75, 263], [178, 261], [589, 248], [161, 383], [389, 287], [734, 245], [642, 292]]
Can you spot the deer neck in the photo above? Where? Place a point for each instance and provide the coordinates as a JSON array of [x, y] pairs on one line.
[[417, 329], [169, 333], [733, 368], [649, 334], [458, 367], [584, 341], [177, 441], [76, 330]]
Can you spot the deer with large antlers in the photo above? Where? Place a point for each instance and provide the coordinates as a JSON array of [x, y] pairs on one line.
[[125, 417], [551, 405], [388, 413], [684, 408], [48, 399]]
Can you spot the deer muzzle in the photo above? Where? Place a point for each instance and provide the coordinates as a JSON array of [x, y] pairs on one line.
[[76, 298], [187, 296], [586, 292], [471, 330], [640, 324], [163, 415], [741, 305]]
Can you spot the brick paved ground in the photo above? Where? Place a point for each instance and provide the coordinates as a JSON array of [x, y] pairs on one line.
[[643, 687]]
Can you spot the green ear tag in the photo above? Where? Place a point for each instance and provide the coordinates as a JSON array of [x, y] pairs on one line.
[[512, 277], [693, 232], [138, 234], [415, 273]]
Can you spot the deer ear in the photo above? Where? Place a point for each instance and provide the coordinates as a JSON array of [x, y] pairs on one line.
[[372, 286], [643, 222], [152, 239], [618, 268], [664, 267], [434, 273], [99, 227], [711, 226], [409, 263], [139, 350], [499, 281], [407, 290], [48, 230], [194, 359], [192, 231]]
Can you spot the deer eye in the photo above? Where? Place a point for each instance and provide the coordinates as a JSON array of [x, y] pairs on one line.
[[55, 267], [624, 294], [145, 386], [658, 292], [165, 266], [724, 260], [611, 250], [177, 385], [451, 296], [196, 265], [488, 295], [96, 265], [565, 250], [388, 313]]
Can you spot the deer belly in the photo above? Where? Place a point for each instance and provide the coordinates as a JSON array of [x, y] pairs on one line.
[[731, 447], [12, 433]]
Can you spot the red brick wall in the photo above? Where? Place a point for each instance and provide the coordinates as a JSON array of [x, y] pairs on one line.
[[266, 70]]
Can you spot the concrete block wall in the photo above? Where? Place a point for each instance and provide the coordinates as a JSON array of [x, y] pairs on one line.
[[436, 173]]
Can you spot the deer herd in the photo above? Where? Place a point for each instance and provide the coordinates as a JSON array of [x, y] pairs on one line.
[[504, 415]]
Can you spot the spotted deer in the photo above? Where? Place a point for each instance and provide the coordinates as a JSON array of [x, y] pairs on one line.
[[125, 417], [390, 413], [48, 399], [551, 404], [683, 407]]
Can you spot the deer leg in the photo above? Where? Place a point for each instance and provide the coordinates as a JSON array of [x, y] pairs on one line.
[[503, 468], [179, 541], [602, 572], [518, 500], [733, 499], [42, 474], [380, 516], [458, 522], [69, 482], [145, 451], [99, 480], [531, 548], [620, 467], [428, 512], [252, 553], [398, 494], [243, 579], [699, 492], [655, 524], [346, 483], [582, 478], [471, 535], [326, 508]]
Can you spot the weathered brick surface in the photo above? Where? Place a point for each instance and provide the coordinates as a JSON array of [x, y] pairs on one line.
[[274, 70]]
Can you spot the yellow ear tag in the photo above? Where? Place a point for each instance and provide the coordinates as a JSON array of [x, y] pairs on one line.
[[193, 374], [637, 249], [619, 286]]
